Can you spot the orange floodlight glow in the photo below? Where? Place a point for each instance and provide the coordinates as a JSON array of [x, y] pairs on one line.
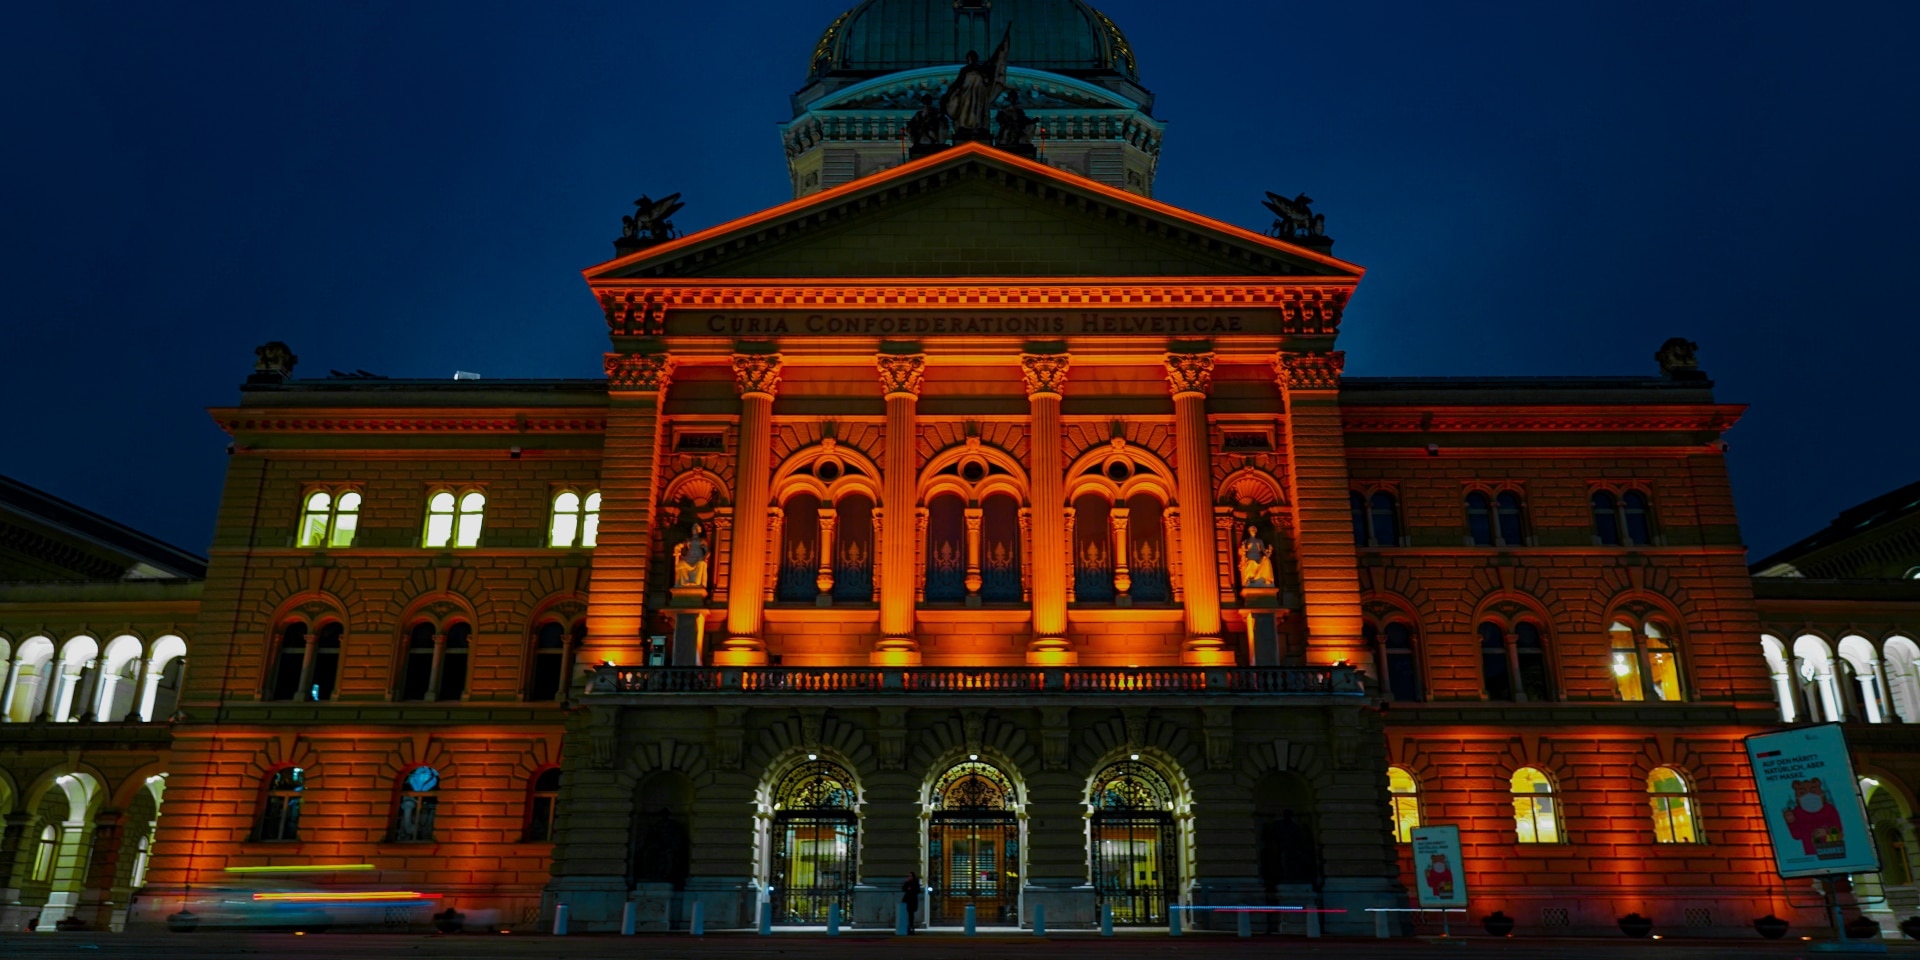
[[345, 897]]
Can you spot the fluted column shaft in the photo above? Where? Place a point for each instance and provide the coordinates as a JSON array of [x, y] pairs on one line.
[[758, 377], [900, 377], [1046, 376], [1190, 376]]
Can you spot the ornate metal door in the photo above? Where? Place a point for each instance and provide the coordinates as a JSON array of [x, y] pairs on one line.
[[1136, 845], [973, 847], [815, 844]]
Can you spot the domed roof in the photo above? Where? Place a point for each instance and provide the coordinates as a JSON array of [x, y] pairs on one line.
[[884, 36]]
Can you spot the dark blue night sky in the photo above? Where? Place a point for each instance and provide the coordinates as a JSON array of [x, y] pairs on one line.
[[412, 188]]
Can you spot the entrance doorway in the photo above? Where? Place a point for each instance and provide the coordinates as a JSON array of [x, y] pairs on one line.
[[973, 846], [1136, 845], [815, 843]]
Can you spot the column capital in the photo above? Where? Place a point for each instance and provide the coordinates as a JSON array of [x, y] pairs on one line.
[[757, 373], [1190, 372], [639, 371], [1046, 373], [1310, 371], [900, 374]]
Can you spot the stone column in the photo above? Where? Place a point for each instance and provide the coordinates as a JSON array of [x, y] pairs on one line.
[[141, 666], [636, 387], [974, 516], [7, 689], [823, 571], [1122, 575], [103, 862], [900, 376], [310, 648], [439, 663], [757, 375], [1323, 529], [1046, 376], [1190, 376]]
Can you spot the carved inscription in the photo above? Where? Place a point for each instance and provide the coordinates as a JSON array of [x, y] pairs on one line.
[[690, 323]]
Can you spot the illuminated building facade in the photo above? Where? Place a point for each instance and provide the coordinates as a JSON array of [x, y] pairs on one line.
[[972, 515]]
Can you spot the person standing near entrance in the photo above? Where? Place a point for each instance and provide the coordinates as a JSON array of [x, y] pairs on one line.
[[910, 895]]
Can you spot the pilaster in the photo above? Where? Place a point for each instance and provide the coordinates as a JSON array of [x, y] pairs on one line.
[[1190, 377], [1323, 531], [636, 386]]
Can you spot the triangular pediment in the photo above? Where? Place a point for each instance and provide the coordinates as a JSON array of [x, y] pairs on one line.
[[973, 211]]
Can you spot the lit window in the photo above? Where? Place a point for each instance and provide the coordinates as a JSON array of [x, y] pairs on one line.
[[1405, 794], [472, 508], [1534, 817], [326, 522], [543, 804], [575, 520], [1625, 663], [455, 522], [280, 814], [419, 801], [1663, 666], [44, 856], [440, 519], [1672, 805], [1644, 664]]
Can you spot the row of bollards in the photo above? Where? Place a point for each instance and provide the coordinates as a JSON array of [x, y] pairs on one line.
[[697, 924]]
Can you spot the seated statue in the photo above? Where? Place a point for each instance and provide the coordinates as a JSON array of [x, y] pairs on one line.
[[690, 560], [1256, 562]]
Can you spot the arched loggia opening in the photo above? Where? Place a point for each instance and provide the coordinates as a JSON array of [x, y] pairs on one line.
[[1136, 843], [662, 821], [973, 846], [816, 843]]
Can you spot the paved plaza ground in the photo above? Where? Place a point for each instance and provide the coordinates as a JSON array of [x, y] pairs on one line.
[[728, 946]]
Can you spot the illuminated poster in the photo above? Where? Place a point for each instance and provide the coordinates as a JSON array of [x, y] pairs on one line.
[[1811, 801], [1437, 867]]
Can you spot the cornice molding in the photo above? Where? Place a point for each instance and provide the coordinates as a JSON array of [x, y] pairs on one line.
[[1310, 371], [1709, 418], [639, 372], [388, 422]]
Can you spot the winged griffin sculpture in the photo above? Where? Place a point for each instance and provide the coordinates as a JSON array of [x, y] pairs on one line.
[[649, 220], [1295, 218]]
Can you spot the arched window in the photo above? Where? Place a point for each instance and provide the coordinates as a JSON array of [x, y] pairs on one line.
[[1644, 663], [1663, 665], [1136, 865], [1785, 691], [1636, 523], [22, 701], [815, 842], [45, 855], [306, 665], [1000, 549], [946, 549], [416, 669], [1496, 672], [1512, 526], [542, 803], [1357, 507], [455, 522], [576, 519], [453, 663], [63, 702], [441, 512], [326, 663], [326, 522], [799, 573], [1606, 519], [1480, 519], [1092, 549], [1535, 816], [973, 845], [418, 803], [1147, 550], [1399, 670], [1813, 667], [1403, 791], [280, 805], [1902, 659], [287, 662], [853, 549], [1386, 520], [1530, 652], [549, 650], [1672, 803]]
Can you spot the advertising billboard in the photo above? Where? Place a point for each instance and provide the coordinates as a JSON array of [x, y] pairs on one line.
[[1437, 866], [1811, 801]]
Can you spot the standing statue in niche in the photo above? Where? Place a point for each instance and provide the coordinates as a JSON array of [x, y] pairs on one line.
[[690, 560], [1256, 561], [970, 97]]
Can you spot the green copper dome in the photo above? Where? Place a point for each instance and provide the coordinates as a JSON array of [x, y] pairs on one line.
[[885, 36]]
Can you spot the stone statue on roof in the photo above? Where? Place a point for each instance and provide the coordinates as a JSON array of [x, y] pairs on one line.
[[970, 97], [928, 126]]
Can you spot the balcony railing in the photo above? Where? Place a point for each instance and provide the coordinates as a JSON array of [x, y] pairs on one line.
[[1257, 681]]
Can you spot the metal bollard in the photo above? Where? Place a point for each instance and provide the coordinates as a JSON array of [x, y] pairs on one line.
[[698, 925], [1106, 919], [766, 919], [833, 919], [1380, 924], [1313, 922], [1039, 919], [1173, 922], [969, 919], [560, 920], [1246, 924], [900, 920], [629, 918]]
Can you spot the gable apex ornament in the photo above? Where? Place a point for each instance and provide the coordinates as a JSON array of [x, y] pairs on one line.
[[639, 371], [1295, 221], [901, 373], [1311, 371], [648, 225], [1190, 372], [1045, 372], [757, 373]]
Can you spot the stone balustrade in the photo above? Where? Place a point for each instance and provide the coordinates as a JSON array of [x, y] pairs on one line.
[[1343, 681]]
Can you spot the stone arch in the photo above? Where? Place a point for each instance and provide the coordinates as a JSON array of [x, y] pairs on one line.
[[1647, 585], [951, 740], [91, 791], [792, 476], [130, 785], [1120, 737], [1158, 478], [337, 591], [1251, 485], [696, 486], [1014, 481], [813, 730]]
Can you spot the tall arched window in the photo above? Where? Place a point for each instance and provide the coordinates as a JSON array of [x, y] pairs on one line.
[[287, 662], [1512, 526], [1672, 803], [326, 663], [1092, 549], [45, 855], [1813, 668], [1000, 549], [1386, 519], [23, 700], [1480, 519], [453, 663], [946, 549], [1398, 667], [1535, 815], [1785, 691], [815, 842], [1403, 792], [799, 550], [973, 845], [1495, 670], [549, 649], [1136, 865], [1644, 664], [1902, 659], [327, 522], [418, 803], [543, 801], [416, 669], [280, 805], [1147, 549], [1530, 652], [1606, 519], [576, 519], [853, 549], [1635, 521]]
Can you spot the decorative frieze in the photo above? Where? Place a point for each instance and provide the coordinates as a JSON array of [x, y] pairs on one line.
[[1310, 371], [1045, 372], [639, 371], [757, 373]]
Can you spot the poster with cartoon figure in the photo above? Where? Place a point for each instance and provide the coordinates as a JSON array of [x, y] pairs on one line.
[[1436, 859], [1812, 802]]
